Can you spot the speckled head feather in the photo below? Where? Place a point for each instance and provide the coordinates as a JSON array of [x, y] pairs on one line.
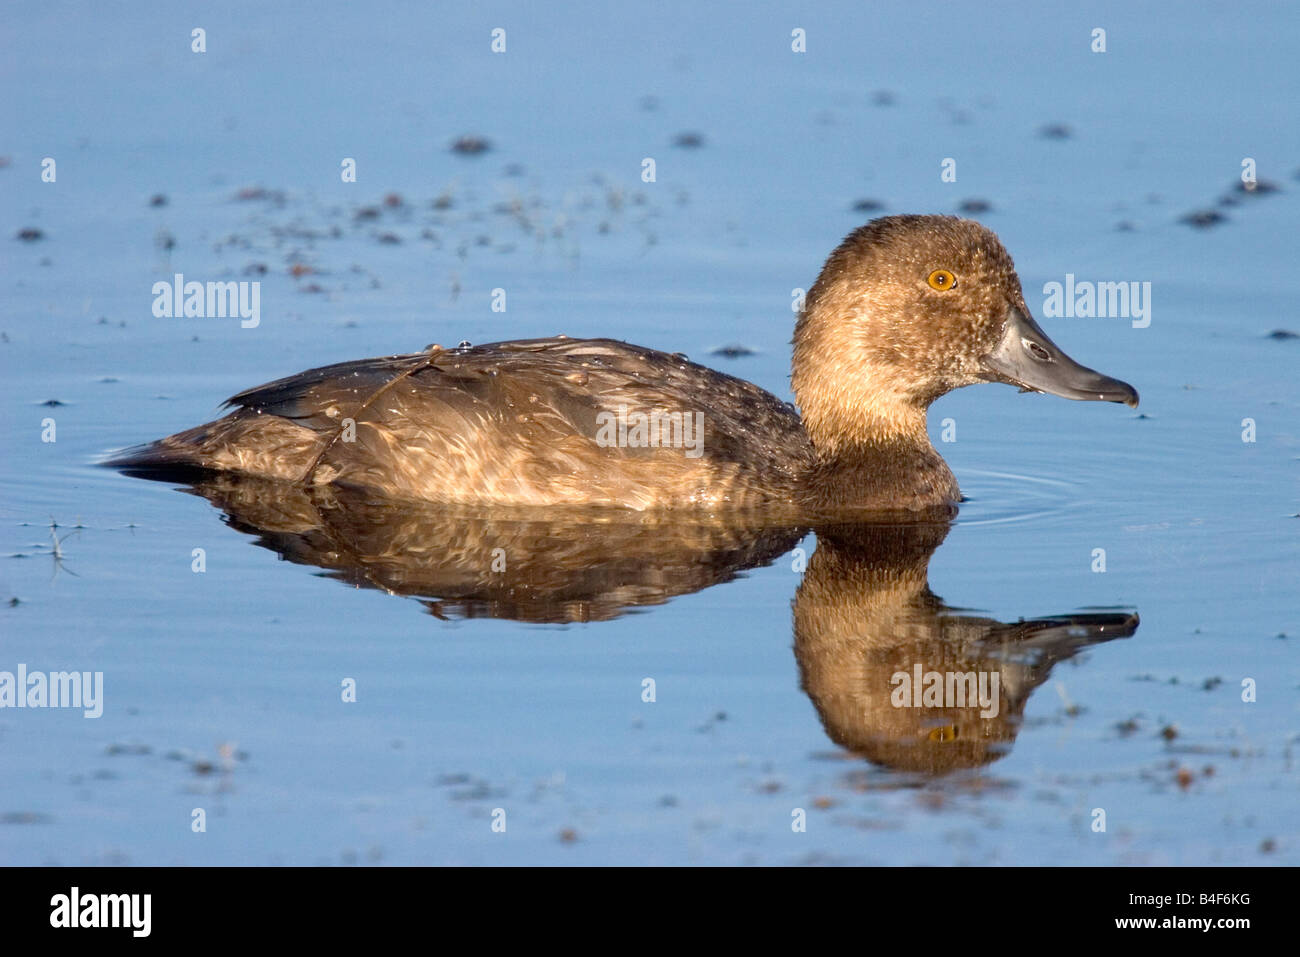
[[893, 341]]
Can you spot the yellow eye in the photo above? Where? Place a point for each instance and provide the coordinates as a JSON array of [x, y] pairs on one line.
[[945, 734], [942, 280]]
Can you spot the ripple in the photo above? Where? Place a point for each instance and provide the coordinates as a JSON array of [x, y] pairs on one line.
[[1000, 498]]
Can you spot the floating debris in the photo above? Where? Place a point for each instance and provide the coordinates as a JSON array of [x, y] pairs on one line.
[[1204, 218], [883, 98], [471, 145], [1259, 187], [254, 193], [1281, 334], [116, 749], [733, 351], [975, 206], [24, 817], [29, 234], [157, 200], [1055, 131], [868, 206], [689, 140]]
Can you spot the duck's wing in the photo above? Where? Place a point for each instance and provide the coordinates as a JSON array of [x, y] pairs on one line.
[[277, 430], [344, 387], [523, 422], [584, 377], [528, 422]]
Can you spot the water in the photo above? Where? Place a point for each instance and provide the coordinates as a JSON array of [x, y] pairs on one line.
[[223, 689]]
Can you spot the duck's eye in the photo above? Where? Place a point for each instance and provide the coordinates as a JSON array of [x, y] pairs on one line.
[[945, 734], [942, 280]]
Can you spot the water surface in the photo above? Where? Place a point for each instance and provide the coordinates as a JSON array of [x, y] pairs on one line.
[[223, 689]]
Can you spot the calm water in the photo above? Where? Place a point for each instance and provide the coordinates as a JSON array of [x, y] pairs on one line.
[[223, 689]]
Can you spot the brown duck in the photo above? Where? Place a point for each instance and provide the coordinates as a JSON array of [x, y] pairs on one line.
[[907, 309]]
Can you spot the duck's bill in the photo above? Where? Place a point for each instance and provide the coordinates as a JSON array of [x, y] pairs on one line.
[[1027, 358]]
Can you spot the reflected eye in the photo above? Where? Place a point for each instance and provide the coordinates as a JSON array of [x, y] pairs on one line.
[[947, 733], [942, 280]]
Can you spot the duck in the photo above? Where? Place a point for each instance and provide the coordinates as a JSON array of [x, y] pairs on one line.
[[906, 309]]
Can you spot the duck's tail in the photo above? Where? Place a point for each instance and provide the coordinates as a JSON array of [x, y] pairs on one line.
[[164, 460], [267, 446]]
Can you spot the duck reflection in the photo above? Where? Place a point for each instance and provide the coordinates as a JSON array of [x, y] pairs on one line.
[[903, 680], [896, 676], [551, 565]]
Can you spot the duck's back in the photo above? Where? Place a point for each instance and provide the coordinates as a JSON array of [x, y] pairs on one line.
[[530, 422]]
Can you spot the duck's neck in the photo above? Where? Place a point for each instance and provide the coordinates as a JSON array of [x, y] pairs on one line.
[[868, 428]]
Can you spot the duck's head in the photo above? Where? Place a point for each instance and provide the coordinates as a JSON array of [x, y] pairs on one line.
[[909, 308]]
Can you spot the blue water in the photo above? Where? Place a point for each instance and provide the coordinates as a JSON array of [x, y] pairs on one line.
[[222, 689]]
